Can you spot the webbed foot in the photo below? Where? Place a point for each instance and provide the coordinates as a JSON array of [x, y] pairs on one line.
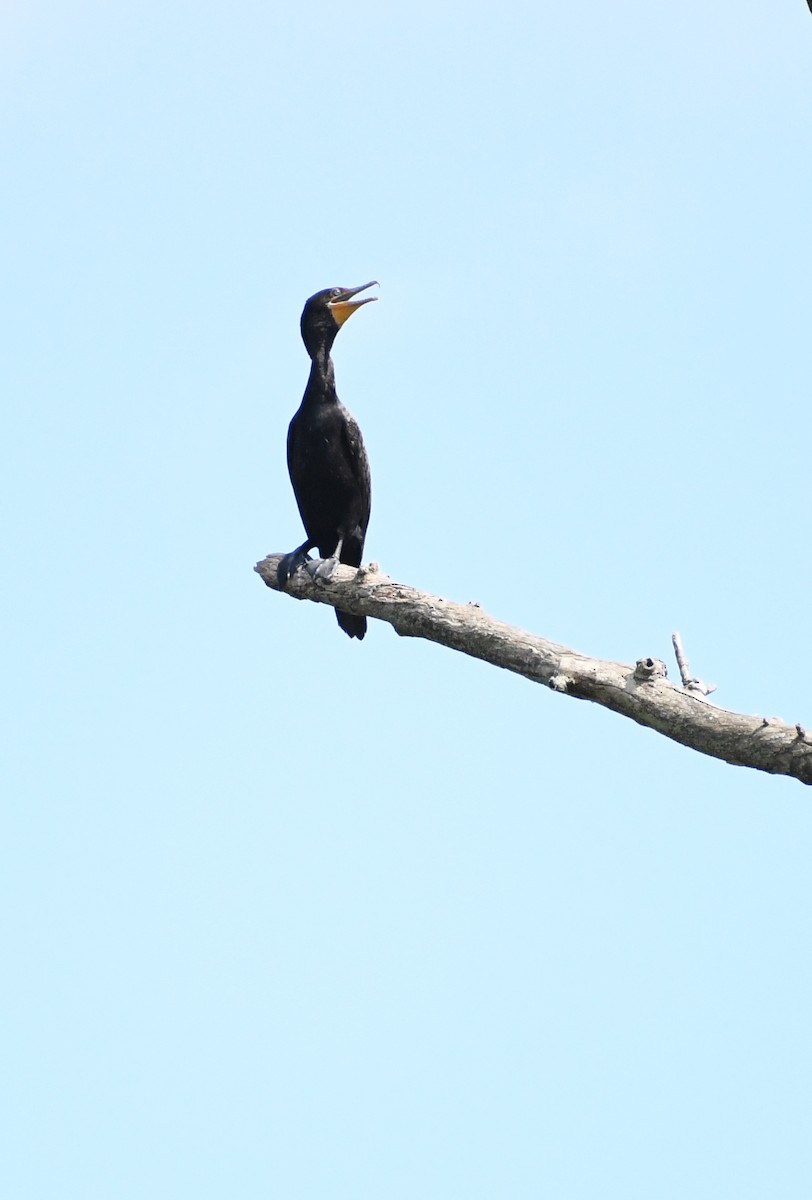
[[289, 564], [322, 568]]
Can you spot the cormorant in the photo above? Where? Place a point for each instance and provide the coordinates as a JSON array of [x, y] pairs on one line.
[[327, 461]]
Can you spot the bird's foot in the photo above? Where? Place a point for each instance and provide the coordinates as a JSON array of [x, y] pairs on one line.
[[322, 568], [289, 564]]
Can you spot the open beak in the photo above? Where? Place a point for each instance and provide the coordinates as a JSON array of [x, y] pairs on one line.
[[344, 306]]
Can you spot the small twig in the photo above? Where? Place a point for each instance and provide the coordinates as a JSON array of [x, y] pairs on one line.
[[689, 681]]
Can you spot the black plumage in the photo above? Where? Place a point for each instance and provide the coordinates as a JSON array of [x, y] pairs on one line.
[[327, 460]]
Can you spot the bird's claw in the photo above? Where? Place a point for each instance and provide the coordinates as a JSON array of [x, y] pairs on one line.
[[322, 568], [289, 564]]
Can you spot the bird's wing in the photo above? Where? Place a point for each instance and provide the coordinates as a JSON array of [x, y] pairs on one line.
[[291, 445], [357, 458]]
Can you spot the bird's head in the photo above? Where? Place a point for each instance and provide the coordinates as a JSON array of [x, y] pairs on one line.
[[325, 313]]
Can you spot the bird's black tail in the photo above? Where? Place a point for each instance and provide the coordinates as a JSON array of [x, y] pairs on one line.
[[352, 626], [350, 550]]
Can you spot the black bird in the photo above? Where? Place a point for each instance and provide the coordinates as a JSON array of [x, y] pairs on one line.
[[327, 461]]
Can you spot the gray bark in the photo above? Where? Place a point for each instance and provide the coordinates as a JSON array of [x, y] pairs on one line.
[[640, 691]]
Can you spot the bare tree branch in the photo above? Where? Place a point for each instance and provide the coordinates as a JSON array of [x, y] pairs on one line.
[[641, 692]]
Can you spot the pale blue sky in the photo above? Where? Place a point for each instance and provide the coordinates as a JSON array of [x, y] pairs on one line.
[[290, 916]]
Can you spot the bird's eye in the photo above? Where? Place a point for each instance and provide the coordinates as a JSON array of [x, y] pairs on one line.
[[335, 293]]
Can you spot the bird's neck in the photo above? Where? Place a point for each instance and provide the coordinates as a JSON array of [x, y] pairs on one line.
[[322, 382]]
